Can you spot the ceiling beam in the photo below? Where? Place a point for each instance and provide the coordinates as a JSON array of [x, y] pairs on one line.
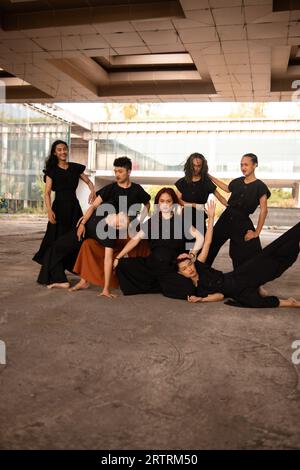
[[79, 16], [151, 59], [24, 93], [66, 66], [158, 88]]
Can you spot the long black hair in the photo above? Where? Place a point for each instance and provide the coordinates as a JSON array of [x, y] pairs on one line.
[[52, 160], [189, 170]]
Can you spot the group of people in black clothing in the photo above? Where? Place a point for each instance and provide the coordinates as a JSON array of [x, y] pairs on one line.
[[170, 252]]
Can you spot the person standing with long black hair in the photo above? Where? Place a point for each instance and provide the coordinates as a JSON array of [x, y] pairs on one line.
[[195, 187], [247, 193], [62, 177]]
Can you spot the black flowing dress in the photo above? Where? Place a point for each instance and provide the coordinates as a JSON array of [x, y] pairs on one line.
[[65, 206], [168, 238], [242, 284]]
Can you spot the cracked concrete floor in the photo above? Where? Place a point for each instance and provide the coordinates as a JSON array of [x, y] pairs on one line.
[[141, 372]]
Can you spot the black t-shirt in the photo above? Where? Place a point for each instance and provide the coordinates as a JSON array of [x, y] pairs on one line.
[[65, 180], [167, 237], [245, 197], [196, 191], [176, 286], [135, 194], [211, 281], [97, 229]]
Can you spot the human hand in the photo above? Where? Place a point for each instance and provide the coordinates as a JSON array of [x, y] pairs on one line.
[[294, 302], [51, 217], [185, 255], [106, 293], [210, 209], [81, 232], [115, 263], [250, 235]]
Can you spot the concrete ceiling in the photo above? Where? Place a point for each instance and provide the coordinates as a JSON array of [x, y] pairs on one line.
[[142, 50]]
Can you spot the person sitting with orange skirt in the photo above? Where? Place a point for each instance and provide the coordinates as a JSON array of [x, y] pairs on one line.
[[90, 263], [95, 259]]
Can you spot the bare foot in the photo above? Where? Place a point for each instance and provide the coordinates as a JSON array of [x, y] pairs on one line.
[[263, 292], [82, 284], [59, 285]]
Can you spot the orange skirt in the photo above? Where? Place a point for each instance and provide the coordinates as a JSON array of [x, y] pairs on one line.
[[90, 260]]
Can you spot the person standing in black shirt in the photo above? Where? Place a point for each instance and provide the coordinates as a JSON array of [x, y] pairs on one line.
[[247, 193], [198, 282], [195, 187]]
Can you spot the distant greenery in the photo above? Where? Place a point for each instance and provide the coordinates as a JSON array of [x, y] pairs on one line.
[[40, 186], [281, 198]]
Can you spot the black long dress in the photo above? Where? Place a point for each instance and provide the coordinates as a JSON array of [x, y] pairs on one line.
[[62, 254], [242, 284], [65, 206], [196, 192], [234, 222], [168, 238]]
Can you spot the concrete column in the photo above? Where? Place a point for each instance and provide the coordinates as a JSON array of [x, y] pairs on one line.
[[211, 157], [82, 190], [296, 193], [92, 155]]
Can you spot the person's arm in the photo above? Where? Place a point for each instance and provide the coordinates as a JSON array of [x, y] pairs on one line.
[[221, 198], [188, 204], [220, 183], [145, 212], [263, 202], [128, 247], [87, 180], [211, 206], [47, 199], [291, 302], [179, 195], [83, 220], [108, 266], [217, 297], [199, 240]]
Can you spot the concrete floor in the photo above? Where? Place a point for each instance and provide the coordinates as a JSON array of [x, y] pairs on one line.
[[141, 372]]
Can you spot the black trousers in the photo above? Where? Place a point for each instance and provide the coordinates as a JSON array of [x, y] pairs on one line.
[[243, 283], [145, 275], [233, 225]]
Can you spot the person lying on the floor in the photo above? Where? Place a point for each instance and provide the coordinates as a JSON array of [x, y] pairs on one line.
[[198, 282]]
